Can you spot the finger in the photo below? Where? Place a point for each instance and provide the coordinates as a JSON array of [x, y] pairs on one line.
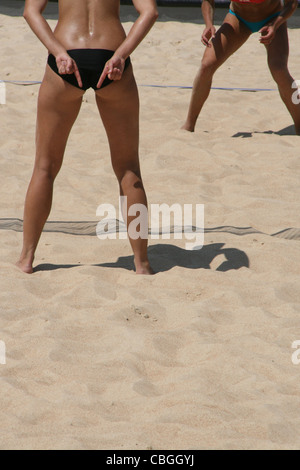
[[265, 38], [115, 74], [263, 33], [78, 77], [69, 66], [264, 30], [62, 70], [205, 41], [60, 67], [102, 77], [266, 43]]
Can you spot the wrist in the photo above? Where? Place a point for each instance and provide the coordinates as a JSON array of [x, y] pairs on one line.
[[278, 22], [121, 56], [57, 49]]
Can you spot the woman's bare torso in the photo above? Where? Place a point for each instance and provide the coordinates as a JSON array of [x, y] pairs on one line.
[[89, 24], [256, 11]]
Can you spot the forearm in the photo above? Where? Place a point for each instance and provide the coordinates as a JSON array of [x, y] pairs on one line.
[[42, 30], [287, 11], [208, 8], [139, 30]]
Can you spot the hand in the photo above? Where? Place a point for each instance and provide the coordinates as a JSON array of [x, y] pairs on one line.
[[66, 66], [113, 69], [267, 33], [208, 34]]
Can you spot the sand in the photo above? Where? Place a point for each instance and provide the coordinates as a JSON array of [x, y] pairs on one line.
[[198, 356]]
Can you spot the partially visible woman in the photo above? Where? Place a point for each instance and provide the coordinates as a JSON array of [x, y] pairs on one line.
[[244, 18], [88, 48]]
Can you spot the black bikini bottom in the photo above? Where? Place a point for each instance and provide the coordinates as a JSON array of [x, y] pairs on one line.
[[90, 63]]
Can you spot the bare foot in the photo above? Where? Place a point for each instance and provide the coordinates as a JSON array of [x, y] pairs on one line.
[[143, 268], [25, 266], [185, 127]]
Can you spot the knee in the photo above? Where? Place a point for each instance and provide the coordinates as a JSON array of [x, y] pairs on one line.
[[47, 171], [129, 178], [208, 67], [279, 71]]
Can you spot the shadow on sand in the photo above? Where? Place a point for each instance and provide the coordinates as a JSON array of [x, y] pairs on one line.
[[289, 130], [164, 257]]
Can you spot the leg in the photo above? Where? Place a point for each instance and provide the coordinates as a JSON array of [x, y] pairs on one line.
[[58, 106], [278, 52], [229, 37], [118, 104]]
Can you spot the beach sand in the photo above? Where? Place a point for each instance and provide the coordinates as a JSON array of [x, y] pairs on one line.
[[198, 356]]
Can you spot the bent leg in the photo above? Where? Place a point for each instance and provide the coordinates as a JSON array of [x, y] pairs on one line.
[[278, 53], [118, 104], [58, 106], [229, 37]]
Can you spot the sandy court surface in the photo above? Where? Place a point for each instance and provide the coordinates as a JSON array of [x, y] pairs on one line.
[[199, 355]]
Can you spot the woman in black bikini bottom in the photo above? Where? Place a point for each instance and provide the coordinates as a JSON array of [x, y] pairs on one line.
[[90, 63], [88, 48]]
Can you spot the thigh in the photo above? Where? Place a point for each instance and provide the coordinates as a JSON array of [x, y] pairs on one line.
[[231, 35], [58, 106], [278, 50], [118, 104]]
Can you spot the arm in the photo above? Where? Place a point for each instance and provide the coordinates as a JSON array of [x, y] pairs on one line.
[[208, 8], [269, 30], [147, 16], [33, 15]]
